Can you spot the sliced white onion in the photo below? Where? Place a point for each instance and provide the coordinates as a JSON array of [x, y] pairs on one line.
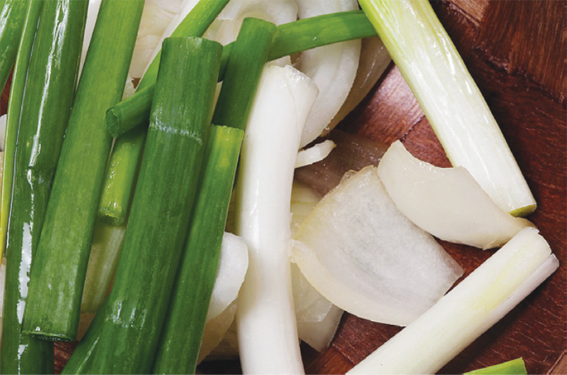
[[320, 334], [360, 252], [233, 263], [446, 202], [331, 67], [374, 59], [314, 153], [215, 333], [156, 16]]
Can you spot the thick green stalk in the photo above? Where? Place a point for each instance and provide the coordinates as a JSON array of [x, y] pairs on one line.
[[125, 333], [12, 19], [513, 367], [244, 68], [56, 285], [127, 150], [105, 250], [47, 103], [14, 107], [186, 317], [290, 38]]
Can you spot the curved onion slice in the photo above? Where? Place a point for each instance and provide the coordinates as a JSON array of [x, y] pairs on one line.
[[331, 67], [215, 333], [446, 202], [364, 256], [233, 263], [156, 17], [374, 59], [314, 153]]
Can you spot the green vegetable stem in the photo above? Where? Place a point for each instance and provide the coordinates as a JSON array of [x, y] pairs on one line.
[[127, 151], [125, 333], [47, 102], [12, 19], [57, 279], [186, 317]]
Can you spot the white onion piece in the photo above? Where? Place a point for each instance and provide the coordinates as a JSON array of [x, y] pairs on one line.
[[331, 67], [364, 256], [215, 332], [374, 59], [446, 202], [156, 16], [320, 334], [233, 263], [314, 153]]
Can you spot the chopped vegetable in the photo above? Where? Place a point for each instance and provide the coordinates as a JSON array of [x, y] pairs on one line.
[[446, 202], [19, 77], [56, 284], [49, 92], [332, 68], [467, 311], [180, 340], [127, 152], [453, 104], [513, 367], [267, 332], [314, 154], [124, 335], [12, 20], [364, 256]]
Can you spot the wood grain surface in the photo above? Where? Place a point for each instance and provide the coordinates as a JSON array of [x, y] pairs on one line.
[[515, 51]]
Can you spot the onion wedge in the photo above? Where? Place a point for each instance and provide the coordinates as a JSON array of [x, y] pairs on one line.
[[364, 256], [446, 202]]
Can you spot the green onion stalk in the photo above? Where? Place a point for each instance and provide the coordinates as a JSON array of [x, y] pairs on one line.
[[47, 102], [124, 335], [127, 151], [56, 284], [14, 107], [183, 331], [12, 20]]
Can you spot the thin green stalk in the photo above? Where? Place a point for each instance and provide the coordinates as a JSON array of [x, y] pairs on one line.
[[57, 281], [186, 317], [105, 250], [127, 150], [119, 178], [13, 119], [290, 38], [244, 68], [47, 102], [12, 19], [124, 336]]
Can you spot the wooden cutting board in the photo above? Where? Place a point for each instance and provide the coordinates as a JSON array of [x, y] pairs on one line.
[[515, 50]]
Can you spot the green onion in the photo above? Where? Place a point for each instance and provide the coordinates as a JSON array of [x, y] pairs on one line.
[[290, 38], [183, 331], [12, 19], [119, 179], [105, 250], [56, 285], [47, 102], [513, 367], [124, 336], [14, 108], [127, 150], [450, 99], [244, 68]]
